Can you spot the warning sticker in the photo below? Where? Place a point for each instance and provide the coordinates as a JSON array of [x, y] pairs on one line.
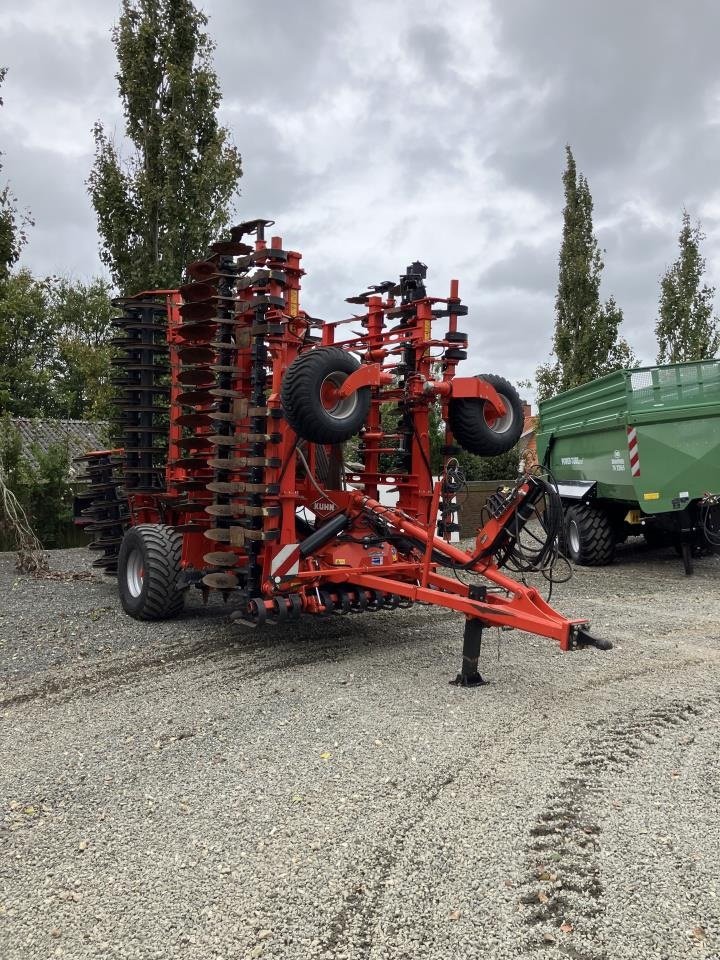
[[293, 303]]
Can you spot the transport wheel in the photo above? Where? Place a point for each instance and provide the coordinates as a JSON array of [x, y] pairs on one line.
[[310, 396], [480, 431], [149, 571], [589, 536]]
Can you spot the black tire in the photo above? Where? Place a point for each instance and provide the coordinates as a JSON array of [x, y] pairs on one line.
[[589, 537], [149, 572], [476, 432], [307, 396]]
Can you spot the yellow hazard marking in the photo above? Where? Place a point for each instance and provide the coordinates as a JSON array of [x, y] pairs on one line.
[[651, 496], [428, 329], [293, 303], [340, 562]]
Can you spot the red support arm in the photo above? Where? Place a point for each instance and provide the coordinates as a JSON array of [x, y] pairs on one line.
[[471, 388], [367, 375]]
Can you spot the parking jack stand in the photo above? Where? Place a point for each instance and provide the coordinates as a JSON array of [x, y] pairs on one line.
[[472, 639]]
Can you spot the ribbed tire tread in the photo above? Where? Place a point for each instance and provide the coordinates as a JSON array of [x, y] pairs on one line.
[[467, 421], [160, 599], [597, 541], [301, 397]]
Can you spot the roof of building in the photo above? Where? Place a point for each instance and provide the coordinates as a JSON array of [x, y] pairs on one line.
[[79, 436]]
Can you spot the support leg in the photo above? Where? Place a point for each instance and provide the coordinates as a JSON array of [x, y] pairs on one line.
[[472, 638], [686, 552]]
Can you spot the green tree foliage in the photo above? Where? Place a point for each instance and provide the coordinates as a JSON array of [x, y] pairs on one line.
[[43, 491], [27, 346], [587, 343], [436, 429], [162, 207], [12, 224], [686, 328], [55, 351], [11, 455], [82, 314], [50, 495], [503, 467]]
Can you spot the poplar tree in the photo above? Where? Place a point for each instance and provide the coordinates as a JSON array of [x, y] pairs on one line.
[[12, 225], [587, 343], [159, 207], [686, 328]]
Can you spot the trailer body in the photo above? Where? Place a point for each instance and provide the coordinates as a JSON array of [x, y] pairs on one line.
[[642, 446]]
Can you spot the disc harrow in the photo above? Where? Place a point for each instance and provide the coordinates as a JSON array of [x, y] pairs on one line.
[[286, 462], [143, 386], [102, 507]]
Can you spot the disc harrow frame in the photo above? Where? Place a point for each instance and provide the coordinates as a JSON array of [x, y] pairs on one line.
[[280, 522]]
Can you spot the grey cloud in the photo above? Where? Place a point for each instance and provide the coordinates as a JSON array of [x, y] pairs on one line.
[[527, 268], [510, 334], [277, 56], [425, 161], [62, 65], [618, 76], [51, 186], [432, 47]]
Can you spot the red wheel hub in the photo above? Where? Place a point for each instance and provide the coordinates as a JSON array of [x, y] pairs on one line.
[[329, 395]]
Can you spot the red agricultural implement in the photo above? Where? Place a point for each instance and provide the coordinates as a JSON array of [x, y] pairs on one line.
[[237, 411]]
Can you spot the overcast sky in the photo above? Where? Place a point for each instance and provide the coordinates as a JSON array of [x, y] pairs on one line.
[[377, 132]]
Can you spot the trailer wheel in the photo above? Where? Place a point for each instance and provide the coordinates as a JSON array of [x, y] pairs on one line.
[[479, 431], [149, 571], [310, 396], [589, 536]]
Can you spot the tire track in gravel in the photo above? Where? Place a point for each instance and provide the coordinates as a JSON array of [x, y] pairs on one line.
[[562, 904], [563, 828], [218, 651], [362, 904]]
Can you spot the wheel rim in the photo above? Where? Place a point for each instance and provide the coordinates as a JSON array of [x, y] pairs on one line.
[[135, 573], [494, 422], [335, 406], [574, 537]]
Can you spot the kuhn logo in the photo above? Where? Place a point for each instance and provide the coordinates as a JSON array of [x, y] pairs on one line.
[[323, 506]]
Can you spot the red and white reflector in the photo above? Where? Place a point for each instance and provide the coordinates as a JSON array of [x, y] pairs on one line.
[[633, 451], [286, 561]]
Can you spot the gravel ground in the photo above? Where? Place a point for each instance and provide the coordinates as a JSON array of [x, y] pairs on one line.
[[193, 789]]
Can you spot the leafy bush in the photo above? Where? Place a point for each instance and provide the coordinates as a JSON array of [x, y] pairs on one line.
[[44, 492], [504, 467]]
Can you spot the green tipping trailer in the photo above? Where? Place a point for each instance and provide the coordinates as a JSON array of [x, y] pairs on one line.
[[637, 452]]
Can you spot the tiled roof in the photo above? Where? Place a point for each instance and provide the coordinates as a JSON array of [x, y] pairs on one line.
[[80, 436]]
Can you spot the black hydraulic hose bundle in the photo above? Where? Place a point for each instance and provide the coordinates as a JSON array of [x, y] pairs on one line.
[[710, 519], [519, 548], [538, 552]]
